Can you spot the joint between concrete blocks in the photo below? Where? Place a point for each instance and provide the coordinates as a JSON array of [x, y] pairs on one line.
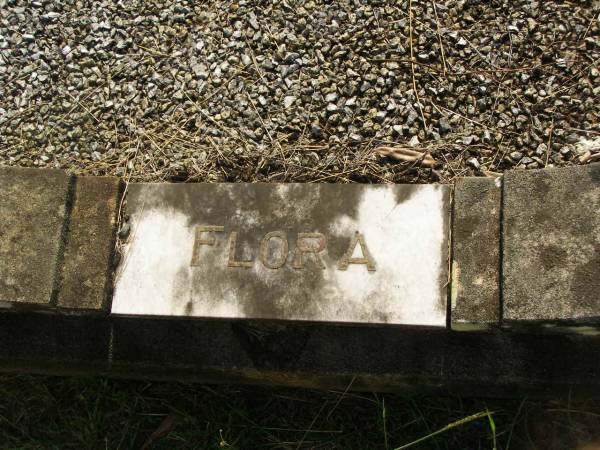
[[64, 237], [113, 263], [450, 261], [501, 257]]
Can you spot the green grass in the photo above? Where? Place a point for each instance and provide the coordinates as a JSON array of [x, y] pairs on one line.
[[98, 413]]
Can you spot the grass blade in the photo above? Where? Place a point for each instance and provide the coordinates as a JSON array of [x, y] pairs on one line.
[[450, 426]]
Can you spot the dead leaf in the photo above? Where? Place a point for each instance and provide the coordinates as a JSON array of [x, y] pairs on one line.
[[407, 154], [163, 429]]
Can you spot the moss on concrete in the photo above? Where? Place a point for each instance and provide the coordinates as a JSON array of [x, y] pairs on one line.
[[87, 267], [475, 254], [33, 210], [552, 245]]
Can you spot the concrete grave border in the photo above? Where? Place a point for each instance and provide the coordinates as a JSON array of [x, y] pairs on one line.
[[519, 341]]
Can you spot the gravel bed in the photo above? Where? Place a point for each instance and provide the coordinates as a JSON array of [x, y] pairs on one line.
[[298, 90]]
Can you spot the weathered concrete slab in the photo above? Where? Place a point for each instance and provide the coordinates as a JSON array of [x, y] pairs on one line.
[[371, 358], [86, 274], [33, 208], [552, 245], [325, 356], [338, 253], [33, 342], [475, 291]]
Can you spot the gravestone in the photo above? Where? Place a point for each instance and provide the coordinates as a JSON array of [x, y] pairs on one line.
[[373, 254], [323, 260]]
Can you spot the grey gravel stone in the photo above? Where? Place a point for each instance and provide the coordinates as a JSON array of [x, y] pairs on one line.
[[332, 97], [444, 125], [289, 101], [380, 116], [526, 160], [332, 107], [461, 43], [473, 162], [516, 156]]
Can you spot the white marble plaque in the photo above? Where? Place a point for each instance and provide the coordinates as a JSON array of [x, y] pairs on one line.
[[313, 252]]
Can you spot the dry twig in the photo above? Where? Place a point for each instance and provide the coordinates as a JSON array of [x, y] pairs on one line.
[[439, 34], [412, 63]]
